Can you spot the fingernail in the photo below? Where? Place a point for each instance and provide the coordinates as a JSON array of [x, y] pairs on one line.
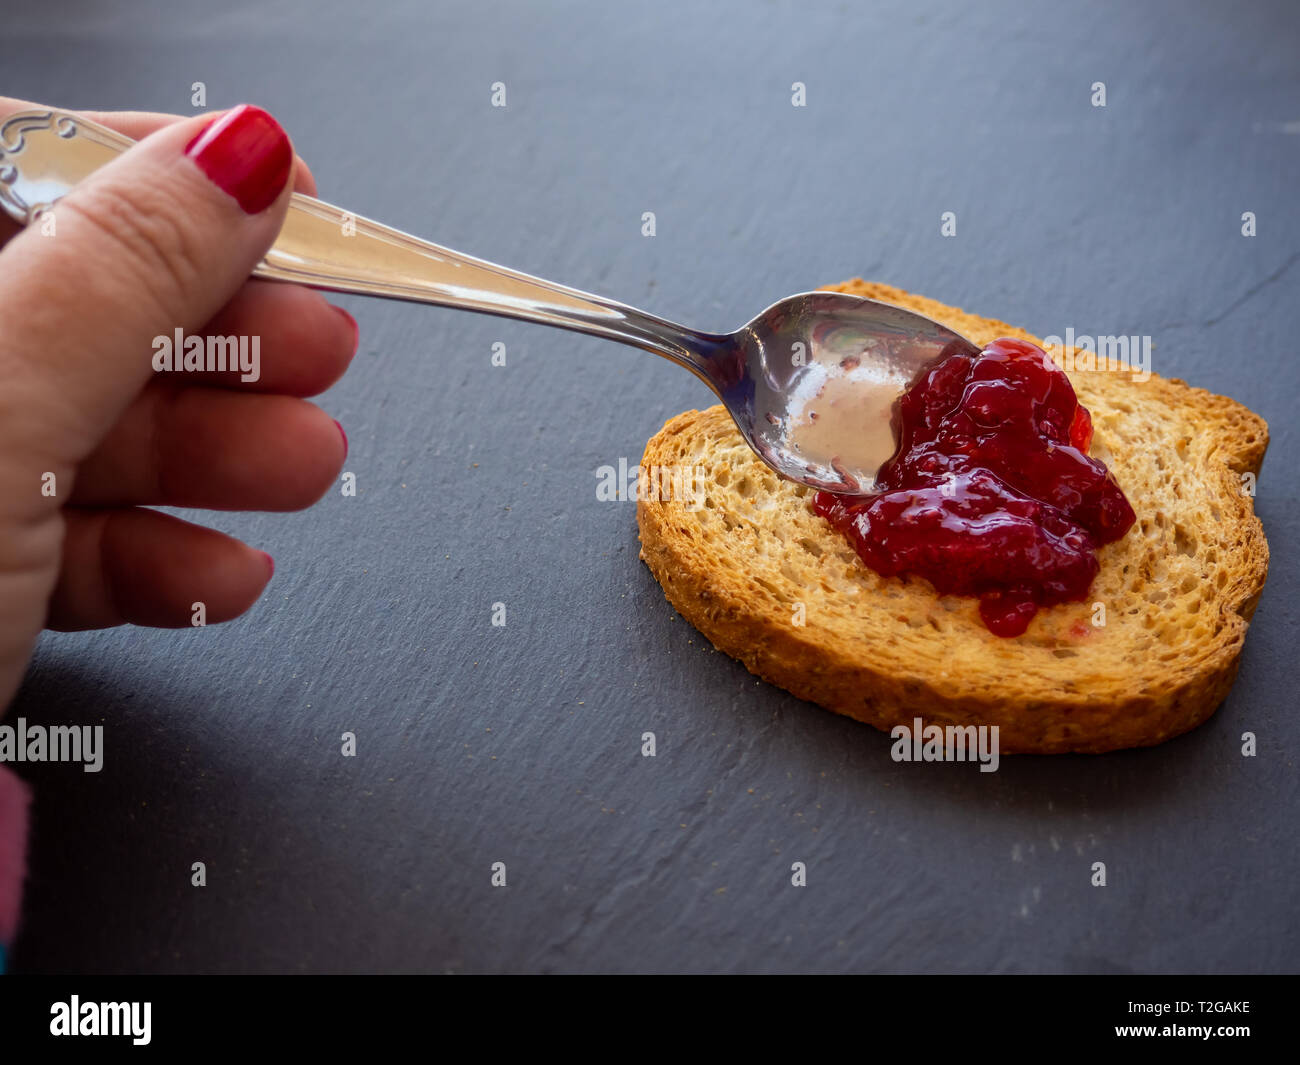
[[352, 324], [270, 565], [345, 438], [246, 154]]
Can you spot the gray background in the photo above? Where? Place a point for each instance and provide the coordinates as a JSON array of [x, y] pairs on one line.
[[477, 484]]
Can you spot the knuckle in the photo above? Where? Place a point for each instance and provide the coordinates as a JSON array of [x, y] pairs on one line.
[[149, 233]]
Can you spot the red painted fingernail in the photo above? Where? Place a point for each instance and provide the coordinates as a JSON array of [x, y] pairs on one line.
[[352, 324], [245, 153], [345, 438], [270, 565]]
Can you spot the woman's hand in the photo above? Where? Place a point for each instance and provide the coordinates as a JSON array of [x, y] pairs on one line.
[[162, 239]]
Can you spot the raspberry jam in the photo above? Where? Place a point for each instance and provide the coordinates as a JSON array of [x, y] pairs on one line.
[[991, 492]]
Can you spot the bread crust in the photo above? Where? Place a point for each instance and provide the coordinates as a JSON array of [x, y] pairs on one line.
[[1178, 591]]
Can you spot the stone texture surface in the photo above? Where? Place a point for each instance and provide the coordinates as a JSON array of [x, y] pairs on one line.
[[477, 485]]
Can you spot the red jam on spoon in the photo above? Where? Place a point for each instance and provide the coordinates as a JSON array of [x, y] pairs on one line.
[[991, 492]]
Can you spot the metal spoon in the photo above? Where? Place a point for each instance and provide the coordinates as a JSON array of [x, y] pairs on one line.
[[810, 382]]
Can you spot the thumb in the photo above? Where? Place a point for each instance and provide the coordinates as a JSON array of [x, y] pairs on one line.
[[158, 239]]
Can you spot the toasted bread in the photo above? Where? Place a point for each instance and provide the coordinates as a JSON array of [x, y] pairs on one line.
[[774, 585]]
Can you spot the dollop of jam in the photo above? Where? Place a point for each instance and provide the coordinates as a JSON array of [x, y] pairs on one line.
[[991, 492]]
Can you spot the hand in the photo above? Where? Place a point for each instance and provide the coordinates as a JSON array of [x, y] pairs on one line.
[[163, 238]]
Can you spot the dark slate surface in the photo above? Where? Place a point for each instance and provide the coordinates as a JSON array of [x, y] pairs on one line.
[[477, 485]]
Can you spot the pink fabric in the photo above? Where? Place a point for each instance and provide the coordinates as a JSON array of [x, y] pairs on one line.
[[14, 798]]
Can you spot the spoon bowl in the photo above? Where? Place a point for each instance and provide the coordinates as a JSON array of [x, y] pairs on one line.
[[822, 373]]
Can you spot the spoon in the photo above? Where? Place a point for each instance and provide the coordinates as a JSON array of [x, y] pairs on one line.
[[811, 382]]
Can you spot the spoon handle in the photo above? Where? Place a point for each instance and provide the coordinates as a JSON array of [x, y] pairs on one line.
[[44, 153]]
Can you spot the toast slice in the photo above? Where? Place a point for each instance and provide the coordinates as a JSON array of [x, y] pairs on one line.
[[753, 561]]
